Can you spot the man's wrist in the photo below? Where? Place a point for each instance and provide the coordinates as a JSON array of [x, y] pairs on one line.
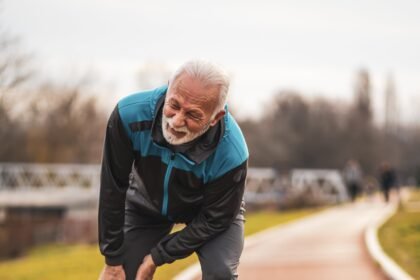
[[156, 257], [114, 261], [150, 260]]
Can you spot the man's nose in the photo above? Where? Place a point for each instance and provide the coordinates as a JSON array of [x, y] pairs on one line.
[[178, 120]]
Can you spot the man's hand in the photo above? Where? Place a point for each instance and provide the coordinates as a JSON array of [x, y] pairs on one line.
[[146, 269], [112, 273]]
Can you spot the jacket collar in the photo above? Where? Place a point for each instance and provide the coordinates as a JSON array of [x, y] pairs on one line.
[[197, 150]]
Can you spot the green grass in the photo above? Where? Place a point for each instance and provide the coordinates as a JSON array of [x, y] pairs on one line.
[[85, 262], [55, 262], [400, 238]]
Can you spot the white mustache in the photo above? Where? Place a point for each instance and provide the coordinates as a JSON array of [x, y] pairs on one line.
[[183, 129]]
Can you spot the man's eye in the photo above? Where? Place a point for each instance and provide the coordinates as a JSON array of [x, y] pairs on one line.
[[194, 116], [174, 106]]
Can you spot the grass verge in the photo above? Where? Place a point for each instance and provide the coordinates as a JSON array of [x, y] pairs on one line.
[[400, 237], [85, 262]]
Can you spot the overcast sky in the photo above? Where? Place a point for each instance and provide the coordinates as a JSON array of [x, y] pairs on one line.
[[311, 46]]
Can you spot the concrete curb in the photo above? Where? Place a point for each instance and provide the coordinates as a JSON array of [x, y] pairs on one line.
[[391, 269]]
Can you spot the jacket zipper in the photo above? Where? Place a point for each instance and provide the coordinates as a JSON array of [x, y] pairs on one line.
[[166, 185]]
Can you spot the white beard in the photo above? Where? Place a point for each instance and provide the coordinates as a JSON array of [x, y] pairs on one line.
[[172, 139]]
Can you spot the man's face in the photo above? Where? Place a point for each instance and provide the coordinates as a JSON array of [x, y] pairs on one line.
[[189, 110]]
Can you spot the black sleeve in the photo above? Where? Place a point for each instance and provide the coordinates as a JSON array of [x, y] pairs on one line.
[[117, 160], [222, 201]]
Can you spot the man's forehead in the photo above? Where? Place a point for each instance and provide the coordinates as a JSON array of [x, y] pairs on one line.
[[194, 91]]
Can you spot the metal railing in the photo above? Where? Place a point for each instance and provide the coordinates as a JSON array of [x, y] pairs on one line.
[[24, 175]]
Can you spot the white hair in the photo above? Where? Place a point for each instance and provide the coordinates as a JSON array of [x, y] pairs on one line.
[[208, 73]]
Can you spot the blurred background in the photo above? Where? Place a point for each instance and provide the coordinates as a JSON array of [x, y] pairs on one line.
[[316, 86]]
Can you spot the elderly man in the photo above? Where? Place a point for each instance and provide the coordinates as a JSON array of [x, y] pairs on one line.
[[173, 155]]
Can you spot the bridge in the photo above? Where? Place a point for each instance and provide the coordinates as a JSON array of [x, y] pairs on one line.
[[78, 184], [58, 202], [67, 185], [26, 175], [74, 184], [41, 203]]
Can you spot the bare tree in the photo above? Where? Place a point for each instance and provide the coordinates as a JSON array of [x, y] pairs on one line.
[[297, 133], [14, 73], [47, 123], [362, 90], [66, 125]]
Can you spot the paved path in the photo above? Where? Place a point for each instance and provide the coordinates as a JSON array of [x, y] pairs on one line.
[[326, 246]]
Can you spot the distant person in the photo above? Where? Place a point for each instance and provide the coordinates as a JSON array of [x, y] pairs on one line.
[[173, 154], [370, 186], [352, 175], [388, 179]]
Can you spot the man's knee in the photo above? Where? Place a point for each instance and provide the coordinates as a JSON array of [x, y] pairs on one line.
[[219, 271], [219, 258]]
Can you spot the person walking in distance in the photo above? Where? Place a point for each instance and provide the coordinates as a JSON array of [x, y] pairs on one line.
[[388, 179], [353, 179]]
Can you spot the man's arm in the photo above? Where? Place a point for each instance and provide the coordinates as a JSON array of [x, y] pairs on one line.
[[222, 201], [117, 160]]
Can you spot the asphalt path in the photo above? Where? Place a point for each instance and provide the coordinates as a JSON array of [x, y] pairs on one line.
[[328, 245]]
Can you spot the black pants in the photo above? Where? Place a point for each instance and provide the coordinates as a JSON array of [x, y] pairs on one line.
[[353, 189], [385, 191], [219, 258]]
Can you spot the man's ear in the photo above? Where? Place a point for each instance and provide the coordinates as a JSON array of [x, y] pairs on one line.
[[218, 117]]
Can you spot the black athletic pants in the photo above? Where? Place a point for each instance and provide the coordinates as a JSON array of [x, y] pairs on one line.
[[219, 258]]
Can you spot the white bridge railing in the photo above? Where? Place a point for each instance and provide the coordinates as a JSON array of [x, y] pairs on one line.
[[264, 185], [24, 175]]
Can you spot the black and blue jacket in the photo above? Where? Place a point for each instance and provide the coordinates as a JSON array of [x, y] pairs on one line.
[[200, 183]]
